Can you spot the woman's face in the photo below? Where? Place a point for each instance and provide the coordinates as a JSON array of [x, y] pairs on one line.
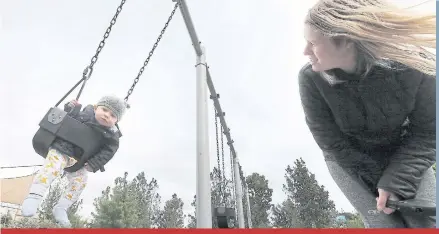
[[325, 55]]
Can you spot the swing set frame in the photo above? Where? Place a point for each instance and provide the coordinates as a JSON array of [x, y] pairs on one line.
[[58, 123]]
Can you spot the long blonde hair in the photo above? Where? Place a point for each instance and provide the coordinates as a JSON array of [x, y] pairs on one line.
[[383, 33]]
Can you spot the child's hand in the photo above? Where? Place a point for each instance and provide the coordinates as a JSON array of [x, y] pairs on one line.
[[73, 103], [88, 168]]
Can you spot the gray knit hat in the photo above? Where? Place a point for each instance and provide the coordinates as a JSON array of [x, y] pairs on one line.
[[115, 104]]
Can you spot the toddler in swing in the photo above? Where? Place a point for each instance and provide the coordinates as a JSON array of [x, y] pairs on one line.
[[102, 117]]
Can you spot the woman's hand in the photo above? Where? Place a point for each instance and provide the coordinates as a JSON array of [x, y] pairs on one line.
[[382, 200]]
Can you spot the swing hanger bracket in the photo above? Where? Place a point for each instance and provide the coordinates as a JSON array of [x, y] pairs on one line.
[[86, 74], [218, 114]]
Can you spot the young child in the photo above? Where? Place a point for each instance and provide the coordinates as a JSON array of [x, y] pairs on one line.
[[102, 117]]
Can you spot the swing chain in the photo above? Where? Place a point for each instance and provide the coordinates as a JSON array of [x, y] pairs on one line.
[[218, 157], [222, 154], [221, 177], [130, 91], [89, 69], [86, 74], [232, 169]]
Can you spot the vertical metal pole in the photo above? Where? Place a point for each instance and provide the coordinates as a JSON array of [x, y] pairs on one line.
[[238, 191], [204, 210], [249, 213]]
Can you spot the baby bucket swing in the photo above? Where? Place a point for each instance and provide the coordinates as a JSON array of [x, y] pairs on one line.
[[58, 124]]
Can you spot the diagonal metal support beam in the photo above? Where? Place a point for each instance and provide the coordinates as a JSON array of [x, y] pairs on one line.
[[204, 211]]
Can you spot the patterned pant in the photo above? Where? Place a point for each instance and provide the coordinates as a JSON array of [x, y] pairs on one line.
[[53, 167]]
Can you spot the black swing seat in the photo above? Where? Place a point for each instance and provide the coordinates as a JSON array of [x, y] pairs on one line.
[[57, 124], [223, 214]]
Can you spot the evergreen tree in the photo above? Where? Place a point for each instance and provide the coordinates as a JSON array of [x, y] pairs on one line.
[[128, 204], [314, 208], [172, 214]]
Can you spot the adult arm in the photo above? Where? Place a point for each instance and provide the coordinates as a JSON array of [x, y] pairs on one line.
[[418, 152], [327, 134]]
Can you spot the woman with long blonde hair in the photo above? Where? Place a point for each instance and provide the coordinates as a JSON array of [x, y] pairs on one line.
[[369, 97]]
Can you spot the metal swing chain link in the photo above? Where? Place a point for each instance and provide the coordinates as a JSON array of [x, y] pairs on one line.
[[130, 91], [222, 154], [218, 156], [89, 69], [224, 169], [217, 145], [86, 74], [233, 197]]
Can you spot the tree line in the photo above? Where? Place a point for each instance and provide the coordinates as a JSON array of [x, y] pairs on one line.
[[136, 203]]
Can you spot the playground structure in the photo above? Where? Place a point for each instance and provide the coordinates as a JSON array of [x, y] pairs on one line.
[[56, 122], [14, 190]]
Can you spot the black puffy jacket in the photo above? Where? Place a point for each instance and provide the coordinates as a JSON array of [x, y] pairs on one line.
[[381, 127], [110, 143]]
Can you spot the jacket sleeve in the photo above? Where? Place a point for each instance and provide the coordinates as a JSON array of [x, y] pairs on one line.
[[418, 151], [107, 152], [69, 109], [89, 110], [327, 134]]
